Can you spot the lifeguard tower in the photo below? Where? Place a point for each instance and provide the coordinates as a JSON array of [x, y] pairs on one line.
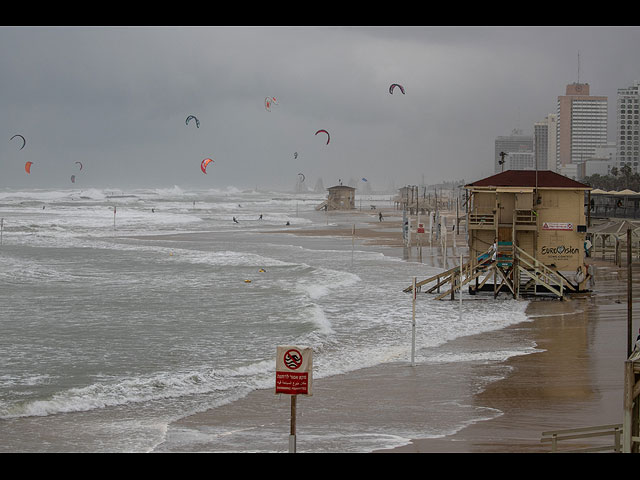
[[526, 234], [341, 197]]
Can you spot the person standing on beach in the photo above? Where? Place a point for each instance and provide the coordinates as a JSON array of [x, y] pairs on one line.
[[380, 216]]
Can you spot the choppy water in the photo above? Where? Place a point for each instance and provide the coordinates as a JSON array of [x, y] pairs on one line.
[[113, 326]]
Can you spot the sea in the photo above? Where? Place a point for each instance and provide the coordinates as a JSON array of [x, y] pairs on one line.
[[124, 311]]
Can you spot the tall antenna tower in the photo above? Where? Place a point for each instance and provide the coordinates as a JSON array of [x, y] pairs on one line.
[[578, 66]]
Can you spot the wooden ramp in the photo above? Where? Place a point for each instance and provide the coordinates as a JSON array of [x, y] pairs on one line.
[[512, 270], [322, 205]]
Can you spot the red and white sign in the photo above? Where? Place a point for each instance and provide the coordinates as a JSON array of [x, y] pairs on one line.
[[294, 367], [421, 228], [557, 226]]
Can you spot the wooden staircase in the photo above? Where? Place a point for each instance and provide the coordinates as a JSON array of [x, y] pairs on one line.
[[513, 269]]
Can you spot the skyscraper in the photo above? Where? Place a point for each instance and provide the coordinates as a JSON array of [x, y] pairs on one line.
[[516, 142], [627, 127], [544, 143], [582, 124]]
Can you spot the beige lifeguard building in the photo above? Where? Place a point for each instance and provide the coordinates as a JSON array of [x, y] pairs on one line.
[[526, 233], [340, 197], [540, 212]]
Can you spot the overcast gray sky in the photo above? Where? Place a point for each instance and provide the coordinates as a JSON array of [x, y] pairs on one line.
[[116, 99]]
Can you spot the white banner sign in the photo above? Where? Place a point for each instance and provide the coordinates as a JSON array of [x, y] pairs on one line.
[[557, 226]]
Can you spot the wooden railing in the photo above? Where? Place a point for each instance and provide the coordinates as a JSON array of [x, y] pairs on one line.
[[614, 430], [482, 217], [524, 217], [540, 272]]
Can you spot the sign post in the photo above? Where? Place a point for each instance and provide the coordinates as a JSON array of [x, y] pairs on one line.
[[294, 368], [413, 324]]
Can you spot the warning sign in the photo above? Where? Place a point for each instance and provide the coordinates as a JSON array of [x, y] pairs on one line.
[[294, 370], [557, 226]]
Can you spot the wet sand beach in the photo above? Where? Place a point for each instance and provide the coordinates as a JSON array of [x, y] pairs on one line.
[[574, 379]]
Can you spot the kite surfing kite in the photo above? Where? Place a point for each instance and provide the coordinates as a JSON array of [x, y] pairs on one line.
[[324, 131], [268, 101], [80, 163], [192, 117], [203, 165], [394, 85], [295, 154], [27, 167], [24, 142], [303, 177]]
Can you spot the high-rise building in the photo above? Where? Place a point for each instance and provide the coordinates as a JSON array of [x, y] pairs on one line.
[[544, 143], [603, 159], [520, 161], [582, 124], [516, 142], [627, 127]]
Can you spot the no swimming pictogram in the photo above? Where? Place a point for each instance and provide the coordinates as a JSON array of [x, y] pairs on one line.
[[292, 359], [294, 367]]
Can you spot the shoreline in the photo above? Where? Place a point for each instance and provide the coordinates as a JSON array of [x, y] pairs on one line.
[[573, 379], [576, 380]]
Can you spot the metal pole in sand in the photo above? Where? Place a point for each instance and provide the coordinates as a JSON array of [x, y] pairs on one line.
[[418, 236], [453, 234], [413, 325], [430, 229], [353, 237], [292, 433], [629, 296], [460, 283], [443, 238]]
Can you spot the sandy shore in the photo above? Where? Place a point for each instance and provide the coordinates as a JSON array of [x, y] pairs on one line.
[[575, 380]]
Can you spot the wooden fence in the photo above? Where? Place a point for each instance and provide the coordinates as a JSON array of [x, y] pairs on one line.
[[614, 431]]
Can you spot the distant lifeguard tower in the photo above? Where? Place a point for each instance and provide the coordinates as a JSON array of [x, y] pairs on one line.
[[341, 197], [526, 232]]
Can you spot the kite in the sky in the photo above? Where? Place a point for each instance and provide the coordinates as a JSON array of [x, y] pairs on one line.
[[204, 163], [394, 85], [303, 177], [268, 101], [27, 167], [364, 179], [295, 154], [324, 131], [80, 163], [192, 117], [24, 142]]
